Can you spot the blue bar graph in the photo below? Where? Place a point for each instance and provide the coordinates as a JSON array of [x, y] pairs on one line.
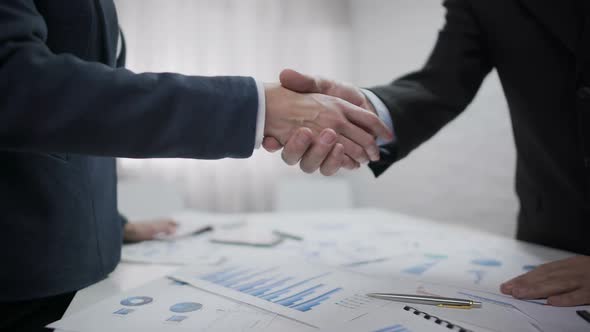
[[420, 269], [265, 288], [238, 280], [219, 274], [394, 328], [297, 297], [307, 305], [287, 291]]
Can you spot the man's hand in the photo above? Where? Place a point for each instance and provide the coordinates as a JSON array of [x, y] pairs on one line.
[[356, 128], [313, 154], [147, 230], [564, 283]]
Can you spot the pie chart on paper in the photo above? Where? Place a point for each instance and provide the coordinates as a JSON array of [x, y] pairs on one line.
[[137, 301]]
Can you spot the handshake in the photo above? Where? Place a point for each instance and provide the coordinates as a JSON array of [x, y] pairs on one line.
[[321, 124]]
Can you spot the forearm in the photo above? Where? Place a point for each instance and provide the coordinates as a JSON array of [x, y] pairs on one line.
[[423, 102], [62, 104], [59, 103]]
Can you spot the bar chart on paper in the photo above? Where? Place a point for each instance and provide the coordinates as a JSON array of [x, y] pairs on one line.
[[311, 294], [282, 290]]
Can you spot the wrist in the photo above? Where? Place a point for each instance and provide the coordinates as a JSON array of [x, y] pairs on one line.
[[367, 102], [128, 230], [285, 111]]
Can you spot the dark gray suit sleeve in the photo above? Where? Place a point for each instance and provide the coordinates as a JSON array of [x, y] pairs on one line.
[[59, 103], [421, 103]]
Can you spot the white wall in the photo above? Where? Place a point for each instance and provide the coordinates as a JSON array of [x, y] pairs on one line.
[[465, 174]]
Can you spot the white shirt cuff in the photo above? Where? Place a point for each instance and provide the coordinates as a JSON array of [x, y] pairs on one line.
[[261, 117], [382, 113]]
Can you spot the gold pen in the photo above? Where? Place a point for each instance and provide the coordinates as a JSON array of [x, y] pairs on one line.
[[443, 302]]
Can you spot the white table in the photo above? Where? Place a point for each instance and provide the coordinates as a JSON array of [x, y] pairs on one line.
[[128, 276]]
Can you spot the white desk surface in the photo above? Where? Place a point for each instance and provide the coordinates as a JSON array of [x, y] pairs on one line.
[[128, 276]]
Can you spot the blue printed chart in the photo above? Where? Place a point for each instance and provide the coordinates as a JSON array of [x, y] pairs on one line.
[[404, 247], [275, 288], [163, 305], [313, 294], [393, 328]]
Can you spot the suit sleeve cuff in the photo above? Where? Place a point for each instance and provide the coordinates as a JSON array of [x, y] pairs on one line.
[[261, 115], [382, 113]]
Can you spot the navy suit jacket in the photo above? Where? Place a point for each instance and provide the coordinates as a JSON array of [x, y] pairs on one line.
[[543, 60], [65, 111]]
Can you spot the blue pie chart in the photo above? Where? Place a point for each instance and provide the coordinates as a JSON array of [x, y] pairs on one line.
[[137, 301], [185, 307]]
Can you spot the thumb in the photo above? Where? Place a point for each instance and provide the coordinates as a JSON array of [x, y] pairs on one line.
[[295, 81], [271, 144]]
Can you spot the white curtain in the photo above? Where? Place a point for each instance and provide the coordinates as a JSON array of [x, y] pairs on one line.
[[233, 37]]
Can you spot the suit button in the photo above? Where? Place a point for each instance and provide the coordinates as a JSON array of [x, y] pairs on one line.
[[584, 93]]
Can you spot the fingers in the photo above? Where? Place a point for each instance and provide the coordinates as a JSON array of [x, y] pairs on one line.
[[294, 151], [162, 226], [543, 289], [353, 150], [369, 122], [171, 226], [298, 82], [325, 153], [348, 163], [539, 274], [563, 283], [334, 162], [361, 139], [271, 144], [320, 151], [576, 298], [297, 145]]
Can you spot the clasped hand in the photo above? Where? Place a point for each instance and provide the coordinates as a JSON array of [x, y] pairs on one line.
[[319, 130]]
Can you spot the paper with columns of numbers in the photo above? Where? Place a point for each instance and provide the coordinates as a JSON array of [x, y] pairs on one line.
[[166, 305]]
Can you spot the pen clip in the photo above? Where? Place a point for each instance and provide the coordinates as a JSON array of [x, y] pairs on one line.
[[451, 306]]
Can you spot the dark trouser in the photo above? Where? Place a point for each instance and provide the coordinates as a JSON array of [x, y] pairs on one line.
[[33, 315]]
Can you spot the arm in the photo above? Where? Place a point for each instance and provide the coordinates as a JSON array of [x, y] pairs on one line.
[[59, 103], [420, 103]]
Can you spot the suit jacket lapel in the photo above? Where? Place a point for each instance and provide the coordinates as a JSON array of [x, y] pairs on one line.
[[556, 18]]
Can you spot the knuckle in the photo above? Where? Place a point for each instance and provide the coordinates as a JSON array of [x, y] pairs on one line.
[[340, 124], [370, 142], [358, 152]]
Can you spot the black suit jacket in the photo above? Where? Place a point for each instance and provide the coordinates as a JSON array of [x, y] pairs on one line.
[[535, 47], [65, 111]]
